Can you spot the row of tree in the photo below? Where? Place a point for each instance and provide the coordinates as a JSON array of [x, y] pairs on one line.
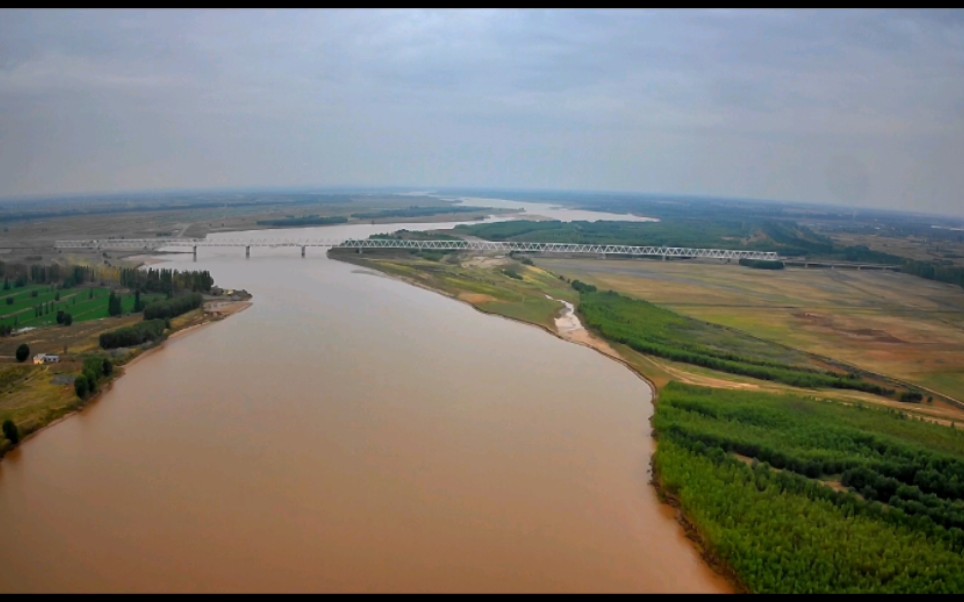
[[18, 275], [166, 281], [148, 330]]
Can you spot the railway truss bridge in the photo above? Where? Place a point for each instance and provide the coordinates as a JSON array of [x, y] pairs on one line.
[[596, 250]]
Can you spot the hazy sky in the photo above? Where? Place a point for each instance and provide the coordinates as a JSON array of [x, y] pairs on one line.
[[864, 108]]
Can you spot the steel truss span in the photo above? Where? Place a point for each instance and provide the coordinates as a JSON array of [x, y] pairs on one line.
[[434, 245]]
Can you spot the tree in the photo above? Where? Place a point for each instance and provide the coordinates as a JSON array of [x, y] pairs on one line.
[[91, 381], [23, 352], [68, 319], [107, 367], [114, 305], [80, 386], [11, 431]]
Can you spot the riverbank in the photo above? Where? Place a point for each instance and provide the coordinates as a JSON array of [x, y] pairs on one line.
[[36, 397]]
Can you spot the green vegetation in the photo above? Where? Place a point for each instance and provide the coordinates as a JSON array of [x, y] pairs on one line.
[[81, 304], [650, 329], [166, 281], [301, 222], [172, 307], [96, 368], [80, 386], [689, 234], [11, 432], [935, 270], [41, 296], [113, 305], [761, 264], [780, 529], [148, 330], [414, 235]]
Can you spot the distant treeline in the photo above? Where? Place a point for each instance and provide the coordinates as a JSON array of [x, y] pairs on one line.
[[18, 275], [308, 220], [11, 213], [404, 234], [933, 270]]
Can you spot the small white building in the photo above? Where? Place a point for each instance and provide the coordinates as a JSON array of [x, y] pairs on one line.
[[43, 358]]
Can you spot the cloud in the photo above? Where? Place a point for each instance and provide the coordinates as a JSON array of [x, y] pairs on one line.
[[743, 103]]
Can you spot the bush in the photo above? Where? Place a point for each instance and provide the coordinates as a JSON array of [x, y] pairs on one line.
[[11, 432], [80, 386], [761, 264], [911, 397], [582, 287], [23, 352]]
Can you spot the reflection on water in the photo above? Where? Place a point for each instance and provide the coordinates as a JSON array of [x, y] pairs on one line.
[[347, 433]]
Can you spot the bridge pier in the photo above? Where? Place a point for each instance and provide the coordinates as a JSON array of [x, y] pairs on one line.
[[194, 251], [302, 251], [247, 252]]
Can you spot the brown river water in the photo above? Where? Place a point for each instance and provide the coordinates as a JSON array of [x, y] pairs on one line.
[[348, 432]]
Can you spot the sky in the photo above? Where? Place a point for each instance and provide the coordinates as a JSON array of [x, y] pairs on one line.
[[860, 108]]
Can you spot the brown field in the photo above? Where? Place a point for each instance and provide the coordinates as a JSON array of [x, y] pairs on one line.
[[893, 324]]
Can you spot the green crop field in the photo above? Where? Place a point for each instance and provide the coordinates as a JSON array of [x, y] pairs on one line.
[[82, 303]]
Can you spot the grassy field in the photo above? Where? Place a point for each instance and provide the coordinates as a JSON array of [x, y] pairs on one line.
[[82, 303], [885, 322]]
